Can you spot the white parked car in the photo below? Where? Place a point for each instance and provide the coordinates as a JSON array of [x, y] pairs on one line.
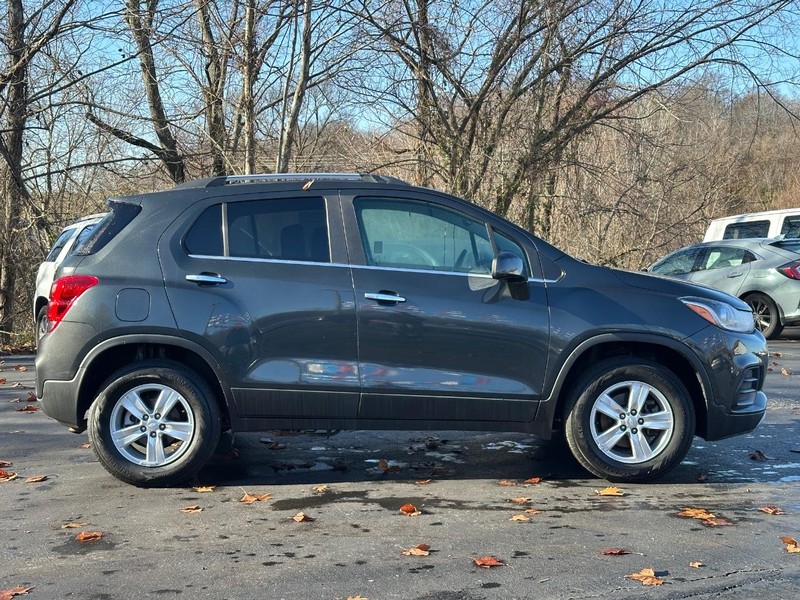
[[68, 240], [768, 224]]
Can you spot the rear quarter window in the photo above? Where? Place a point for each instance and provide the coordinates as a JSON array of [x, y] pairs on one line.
[[120, 214]]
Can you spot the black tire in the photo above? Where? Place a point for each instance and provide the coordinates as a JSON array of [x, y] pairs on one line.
[[145, 452], [664, 400], [40, 325], [765, 311]]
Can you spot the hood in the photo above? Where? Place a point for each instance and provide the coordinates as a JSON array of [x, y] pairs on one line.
[[678, 287]]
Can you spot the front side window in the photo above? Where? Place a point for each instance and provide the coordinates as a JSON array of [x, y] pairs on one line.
[[417, 235], [679, 263]]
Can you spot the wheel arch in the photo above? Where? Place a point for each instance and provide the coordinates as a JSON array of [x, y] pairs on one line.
[[110, 355], [664, 351], [744, 295]]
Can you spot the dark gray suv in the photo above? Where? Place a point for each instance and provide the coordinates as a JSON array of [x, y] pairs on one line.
[[345, 301]]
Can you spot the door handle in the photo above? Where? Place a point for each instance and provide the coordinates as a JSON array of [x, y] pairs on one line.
[[383, 296], [736, 274], [206, 279]]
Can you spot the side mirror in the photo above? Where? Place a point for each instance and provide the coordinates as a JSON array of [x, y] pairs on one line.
[[509, 267]]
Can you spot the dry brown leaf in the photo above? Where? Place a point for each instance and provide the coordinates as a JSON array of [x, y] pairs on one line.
[[7, 476], [21, 368], [418, 550], [487, 562], [89, 536], [17, 591], [31, 397], [204, 489], [696, 513], [533, 511], [759, 455], [506, 483], [716, 522], [36, 479], [5, 463], [771, 509], [520, 517], [614, 552], [73, 525], [610, 491], [192, 509], [410, 510], [320, 489], [86, 446], [384, 466], [3, 380], [646, 577], [359, 597], [777, 354], [696, 564], [423, 482], [792, 547], [533, 480], [785, 372], [302, 517], [308, 184], [29, 408], [250, 498], [520, 500]]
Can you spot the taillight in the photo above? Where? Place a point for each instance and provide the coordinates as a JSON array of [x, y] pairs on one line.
[[63, 294], [791, 270]]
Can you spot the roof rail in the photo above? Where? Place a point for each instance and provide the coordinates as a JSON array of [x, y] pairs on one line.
[[278, 177]]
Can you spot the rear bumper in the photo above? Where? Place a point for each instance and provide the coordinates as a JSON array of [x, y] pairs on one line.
[[58, 402]]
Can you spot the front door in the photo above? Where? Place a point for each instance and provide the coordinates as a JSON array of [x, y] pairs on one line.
[[440, 340]]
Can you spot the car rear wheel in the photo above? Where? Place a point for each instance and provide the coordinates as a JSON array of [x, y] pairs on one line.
[[765, 311], [41, 323], [629, 420], [154, 424]]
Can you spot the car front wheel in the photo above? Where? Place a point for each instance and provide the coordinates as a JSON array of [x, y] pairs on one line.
[[765, 311], [154, 424], [629, 420]]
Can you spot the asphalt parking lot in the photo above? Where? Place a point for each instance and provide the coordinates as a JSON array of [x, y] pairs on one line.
[[552, 537]]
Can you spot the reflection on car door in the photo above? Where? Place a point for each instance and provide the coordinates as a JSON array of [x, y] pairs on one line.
[[724, 268], [439, 339]]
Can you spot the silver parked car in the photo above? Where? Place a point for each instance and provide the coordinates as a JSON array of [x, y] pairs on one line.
[[764, 272], [68, 240]]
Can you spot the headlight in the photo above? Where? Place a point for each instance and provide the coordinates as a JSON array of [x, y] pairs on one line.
[[721, 314]]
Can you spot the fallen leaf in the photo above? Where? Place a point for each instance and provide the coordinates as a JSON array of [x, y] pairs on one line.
[[506, 483], [771, 509], [410, 510], [3, 380], [89, 536], [17, 591], [29, 408], [73, 525], [308, 184], [533, 511], [250, 498], [359, 597], [696, 565], [204, 489], [487, 562], [423, 482], [15, 400], [614, 552], [7, 476], [418, 550], [533, 480], [716, 522], [21, 368], [786, 372], [36, 479], [320, 489], [759, 455], [520, 517], [520, 500], [302, 517], [610, 491], [792, 546], [192, 509], [384, 466], [646, 577], [31, 397], [5, 463], [696, 513], [777, 354], [86, 446]]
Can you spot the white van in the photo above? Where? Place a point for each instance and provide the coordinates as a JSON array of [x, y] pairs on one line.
[[767, 224]]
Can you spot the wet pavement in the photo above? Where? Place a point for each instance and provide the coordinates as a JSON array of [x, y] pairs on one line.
[[353, 485]]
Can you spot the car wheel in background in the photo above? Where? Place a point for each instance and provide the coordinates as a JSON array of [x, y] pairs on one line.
[[629, 420], [765, 311], [41, 324], [154, 424]]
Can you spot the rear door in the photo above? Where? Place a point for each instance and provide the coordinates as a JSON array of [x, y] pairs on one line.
[[262, 282], [440, 341]]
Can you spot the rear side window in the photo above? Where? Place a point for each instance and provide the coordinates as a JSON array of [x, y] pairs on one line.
[[120, 214], [205, 236], [290, 229], [61, 241], [750, 229]]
